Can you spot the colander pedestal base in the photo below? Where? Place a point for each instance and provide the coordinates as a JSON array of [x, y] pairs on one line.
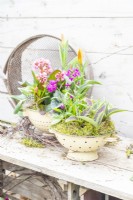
[[82, 156]]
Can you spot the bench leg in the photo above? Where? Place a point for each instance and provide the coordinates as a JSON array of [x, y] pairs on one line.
[[73, 192], [106, 197], [1, 178]]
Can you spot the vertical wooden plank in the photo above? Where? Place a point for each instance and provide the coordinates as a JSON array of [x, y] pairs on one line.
[[82, 197], [106, 197], [1, 178], [73, 192], [82, 192]]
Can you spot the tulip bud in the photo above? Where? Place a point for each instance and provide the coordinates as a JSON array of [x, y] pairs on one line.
[[36, 89], [80, 56]]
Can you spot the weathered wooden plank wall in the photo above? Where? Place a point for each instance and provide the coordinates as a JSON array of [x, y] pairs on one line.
[[103, 29]]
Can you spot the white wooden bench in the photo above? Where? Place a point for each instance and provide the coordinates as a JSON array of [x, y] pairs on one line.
[[110, 174]]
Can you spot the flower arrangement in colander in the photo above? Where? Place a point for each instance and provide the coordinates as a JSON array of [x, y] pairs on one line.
[[48, 79], [37, 98]]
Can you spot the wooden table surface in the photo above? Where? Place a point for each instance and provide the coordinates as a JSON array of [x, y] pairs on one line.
[[110, 174]]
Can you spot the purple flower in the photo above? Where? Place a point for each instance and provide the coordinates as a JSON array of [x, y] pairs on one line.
[[67, 85], [73, 73], [6, 198], [68, 73], [71, 79], [62, 107], [76, 73], [52, 86], [71, 97], [53, 82]]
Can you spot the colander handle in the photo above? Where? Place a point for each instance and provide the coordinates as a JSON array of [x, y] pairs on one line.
[[25, 113], [111, 139]]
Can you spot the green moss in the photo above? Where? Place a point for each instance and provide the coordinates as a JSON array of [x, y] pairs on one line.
[[29, 142], [82, 128], [107, 127]]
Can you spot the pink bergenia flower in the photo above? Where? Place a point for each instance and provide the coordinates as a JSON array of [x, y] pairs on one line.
[[52, 86], [48, 69], [6, 198], [60, 76], [40, 63], [42, 77], [43, 65]]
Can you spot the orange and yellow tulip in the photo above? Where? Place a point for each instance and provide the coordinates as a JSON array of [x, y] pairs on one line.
[[80, 56]]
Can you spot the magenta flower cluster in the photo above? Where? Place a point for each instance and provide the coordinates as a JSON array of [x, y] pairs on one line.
[[60, 76], [73, 73], [52, 86], [43, 70]]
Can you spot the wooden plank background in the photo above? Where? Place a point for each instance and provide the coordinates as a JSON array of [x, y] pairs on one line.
[[103, 29]]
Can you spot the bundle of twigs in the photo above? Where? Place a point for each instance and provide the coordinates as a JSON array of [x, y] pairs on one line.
[[27, 130]]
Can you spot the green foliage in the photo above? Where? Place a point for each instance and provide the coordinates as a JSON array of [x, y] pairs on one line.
[[18, 106], [52, 75], [77, 107], [63, 52], [74, 62], [29, 142], [36, 82], [88, 119], [82, 116], [33, 95], [73, 98]]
